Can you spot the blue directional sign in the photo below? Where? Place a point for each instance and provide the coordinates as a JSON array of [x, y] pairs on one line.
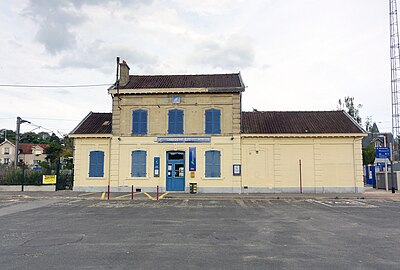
[[382, 152], [192, 159]]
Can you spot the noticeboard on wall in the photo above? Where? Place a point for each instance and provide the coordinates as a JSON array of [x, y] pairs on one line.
[[237, 169], [156, 166]]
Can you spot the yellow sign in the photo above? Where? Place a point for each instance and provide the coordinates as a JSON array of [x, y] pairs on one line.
[[49, 179]]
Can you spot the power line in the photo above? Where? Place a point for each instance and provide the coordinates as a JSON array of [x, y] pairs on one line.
[[55, 86]]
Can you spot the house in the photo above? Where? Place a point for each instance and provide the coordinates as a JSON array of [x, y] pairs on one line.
[[7, 152], [173, 130], [31, 154]]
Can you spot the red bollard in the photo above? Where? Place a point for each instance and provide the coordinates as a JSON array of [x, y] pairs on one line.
[[157, 193], [132, 192], [108, 193]]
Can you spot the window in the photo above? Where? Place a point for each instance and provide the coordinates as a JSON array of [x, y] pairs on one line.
[[175, 122], [213, 164], [6, 150], [138, 163], [139, 122], [96, 164], [213, 122], [6, 161]]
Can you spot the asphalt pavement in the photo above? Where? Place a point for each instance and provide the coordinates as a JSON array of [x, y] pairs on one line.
[[69, 230]]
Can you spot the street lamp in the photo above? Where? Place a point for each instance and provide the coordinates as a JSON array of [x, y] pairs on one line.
[[17, 137]]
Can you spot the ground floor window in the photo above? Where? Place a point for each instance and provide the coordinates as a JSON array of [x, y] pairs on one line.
[[213, 164], [138, 163], [6, 161], [96, 164]]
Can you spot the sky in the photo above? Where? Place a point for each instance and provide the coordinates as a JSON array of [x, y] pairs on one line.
[[293, 55]]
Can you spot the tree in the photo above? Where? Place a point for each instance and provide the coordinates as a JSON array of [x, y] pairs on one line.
[[7, 133], [347, 104], [368, 154]]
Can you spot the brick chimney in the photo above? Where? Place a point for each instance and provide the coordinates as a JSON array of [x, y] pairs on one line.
[[124, 73]]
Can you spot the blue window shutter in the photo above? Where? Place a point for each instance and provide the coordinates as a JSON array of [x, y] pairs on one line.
[[209, 121], [179, 122], [139, 122], [213, 163], [143, 122], [96, 164], [138, 168], [135, 122], [208, 163], [171, 116], [213, 122], [175, 122], [217, 122]]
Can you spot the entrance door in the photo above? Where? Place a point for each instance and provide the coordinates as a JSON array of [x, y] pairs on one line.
[[175, 171]]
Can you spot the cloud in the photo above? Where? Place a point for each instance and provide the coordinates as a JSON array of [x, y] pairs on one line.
[[98, 55], [56, 20], [233, 52]]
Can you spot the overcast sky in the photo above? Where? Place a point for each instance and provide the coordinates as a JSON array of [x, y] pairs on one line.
[[292, 54]]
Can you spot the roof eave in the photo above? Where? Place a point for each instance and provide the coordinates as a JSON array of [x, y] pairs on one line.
[[302, 135], [89, 135]]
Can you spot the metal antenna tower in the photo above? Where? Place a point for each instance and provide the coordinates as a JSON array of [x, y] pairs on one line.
[[395, 74]]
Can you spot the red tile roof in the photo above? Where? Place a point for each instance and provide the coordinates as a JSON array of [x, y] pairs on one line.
[[184, 81], [94, 123], [298, 122], [26, 148]]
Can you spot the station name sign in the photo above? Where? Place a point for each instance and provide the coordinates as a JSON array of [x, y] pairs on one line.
[[183, 139]]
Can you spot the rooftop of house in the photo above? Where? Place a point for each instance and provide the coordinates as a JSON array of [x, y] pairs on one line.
[[222, 81], [27, 148], [94, 123], [298, 122]]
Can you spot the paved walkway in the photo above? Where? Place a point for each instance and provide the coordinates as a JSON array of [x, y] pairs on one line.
[[369, 193]]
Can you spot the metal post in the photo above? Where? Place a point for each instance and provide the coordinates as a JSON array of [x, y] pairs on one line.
[[17, 141], [108, 193], [132, 192], [301, 180], [23, 177], [157, 192], [391, 168]]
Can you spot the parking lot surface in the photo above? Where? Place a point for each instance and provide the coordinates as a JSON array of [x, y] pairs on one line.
[[85, 232]]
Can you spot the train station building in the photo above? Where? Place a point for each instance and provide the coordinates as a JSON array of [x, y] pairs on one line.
[[173, 130]]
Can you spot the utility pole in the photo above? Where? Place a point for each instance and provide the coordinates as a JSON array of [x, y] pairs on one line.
[[395, 81], [17, 137]]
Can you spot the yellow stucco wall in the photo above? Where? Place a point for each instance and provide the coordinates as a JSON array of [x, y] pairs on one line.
[[193, 105], [83, 146], [327, 164]]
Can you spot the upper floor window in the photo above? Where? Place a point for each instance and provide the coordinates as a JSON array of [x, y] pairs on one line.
[[138, 163], [96, 164], [139, 122], [213, 164], [6, 150], [213, 121], [175, 122]]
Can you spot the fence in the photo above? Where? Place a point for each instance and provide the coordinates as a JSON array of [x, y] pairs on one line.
[[28, 176]]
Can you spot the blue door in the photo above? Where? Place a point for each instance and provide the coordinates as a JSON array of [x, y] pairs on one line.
[[175, 171]]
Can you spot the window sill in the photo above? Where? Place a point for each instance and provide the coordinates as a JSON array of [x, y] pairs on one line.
[[213, 178], [95, 178], [138, 178]]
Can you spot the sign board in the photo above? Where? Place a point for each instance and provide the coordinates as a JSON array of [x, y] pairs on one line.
[[49, 179], [382, 152], [237, 169], [192, 159], [156, 166], [183, 139]]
